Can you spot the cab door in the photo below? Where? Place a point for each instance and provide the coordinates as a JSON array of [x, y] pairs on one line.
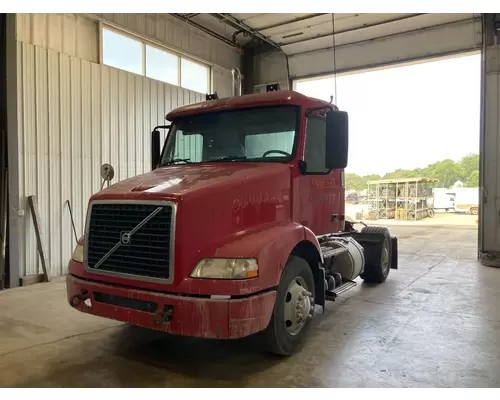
[[320, 192]]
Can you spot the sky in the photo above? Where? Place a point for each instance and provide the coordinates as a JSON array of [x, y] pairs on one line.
[[407, 117]]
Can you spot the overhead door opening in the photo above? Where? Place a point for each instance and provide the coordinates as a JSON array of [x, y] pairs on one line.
[[414, 142]]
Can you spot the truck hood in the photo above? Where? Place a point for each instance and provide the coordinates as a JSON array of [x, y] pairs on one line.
[[217, 204], [178, 181]]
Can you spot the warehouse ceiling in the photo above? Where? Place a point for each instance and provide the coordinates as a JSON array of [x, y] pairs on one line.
[[298, 34]]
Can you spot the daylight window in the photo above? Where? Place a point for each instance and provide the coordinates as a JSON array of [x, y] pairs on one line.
[[132, 55], [194, 76], [121, 52], [162, 66]]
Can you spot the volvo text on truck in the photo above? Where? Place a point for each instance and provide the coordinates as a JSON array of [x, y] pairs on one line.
[[239, 229]]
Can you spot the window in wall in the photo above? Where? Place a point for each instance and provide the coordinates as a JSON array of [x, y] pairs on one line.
[[194, 76], [162, 66], [314, 154], [121, 52]]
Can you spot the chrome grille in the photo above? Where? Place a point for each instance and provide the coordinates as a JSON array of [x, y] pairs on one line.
[[146, 253]]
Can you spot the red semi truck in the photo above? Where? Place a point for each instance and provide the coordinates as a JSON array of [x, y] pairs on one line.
[[239, 229]]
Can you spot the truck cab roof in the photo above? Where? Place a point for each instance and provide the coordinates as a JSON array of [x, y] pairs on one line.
[[286, 97]]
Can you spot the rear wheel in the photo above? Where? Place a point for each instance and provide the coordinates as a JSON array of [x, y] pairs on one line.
[[293, 308], [378, 271]]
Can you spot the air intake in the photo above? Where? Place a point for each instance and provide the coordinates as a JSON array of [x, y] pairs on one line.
[[236, 82]]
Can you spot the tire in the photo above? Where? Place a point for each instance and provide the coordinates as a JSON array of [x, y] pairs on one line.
[[378, 272], [474, 210], [430, 213], [279, 338]]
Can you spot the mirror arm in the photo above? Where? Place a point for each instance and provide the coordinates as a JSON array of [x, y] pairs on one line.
[[312, 109], [161, 127]]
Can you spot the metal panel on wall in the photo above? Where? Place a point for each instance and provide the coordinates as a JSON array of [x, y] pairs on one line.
[[74, 116], [412, 46], [459, 37], [71, 34]]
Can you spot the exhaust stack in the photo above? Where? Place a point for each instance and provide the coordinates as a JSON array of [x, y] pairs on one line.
[[236, 82]]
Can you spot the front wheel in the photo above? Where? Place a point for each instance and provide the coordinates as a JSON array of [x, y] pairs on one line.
[[474, 210], [293, 308]]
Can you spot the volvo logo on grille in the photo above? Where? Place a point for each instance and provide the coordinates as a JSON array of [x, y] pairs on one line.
[[125, 238]]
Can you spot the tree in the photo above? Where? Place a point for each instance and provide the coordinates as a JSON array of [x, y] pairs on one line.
[[354, 182], [472, 180], [470, 164], [446, 171]]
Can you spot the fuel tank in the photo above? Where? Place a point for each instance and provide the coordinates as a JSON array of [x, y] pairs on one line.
[[349, 260]]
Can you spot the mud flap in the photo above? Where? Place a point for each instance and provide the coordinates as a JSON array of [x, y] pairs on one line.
[[394, 253], [319, 287]]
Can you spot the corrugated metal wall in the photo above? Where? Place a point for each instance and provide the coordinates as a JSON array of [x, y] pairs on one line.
[[68, 33], [78, 36], [74, 116]]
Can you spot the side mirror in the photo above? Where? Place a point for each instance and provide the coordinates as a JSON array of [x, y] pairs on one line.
[[156, 145], [155, 149], [337, 139]]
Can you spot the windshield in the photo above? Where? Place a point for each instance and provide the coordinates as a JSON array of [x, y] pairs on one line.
[[257, 134]]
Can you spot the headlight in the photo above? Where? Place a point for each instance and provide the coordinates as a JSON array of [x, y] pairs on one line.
[[78, 254], [226, 268]]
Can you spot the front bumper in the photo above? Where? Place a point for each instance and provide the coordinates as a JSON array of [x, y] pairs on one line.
[[178, 315]]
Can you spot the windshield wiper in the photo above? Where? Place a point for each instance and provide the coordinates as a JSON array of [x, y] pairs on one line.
[[177, 160], [230, 158]]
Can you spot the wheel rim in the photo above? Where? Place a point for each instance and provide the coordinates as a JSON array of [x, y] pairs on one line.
[[385, 257], [298, 306]]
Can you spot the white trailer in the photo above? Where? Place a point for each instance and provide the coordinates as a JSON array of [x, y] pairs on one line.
[[457, 200], [467, 200], [443, 199]]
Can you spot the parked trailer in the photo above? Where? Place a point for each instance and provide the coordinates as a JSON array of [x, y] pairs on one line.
[[462, 200], [467, 200], [443, 199]]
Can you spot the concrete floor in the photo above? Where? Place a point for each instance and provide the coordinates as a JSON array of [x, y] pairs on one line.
[[435, 322]]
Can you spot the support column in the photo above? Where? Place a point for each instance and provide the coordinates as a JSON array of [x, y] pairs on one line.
[[489, 232], [13, 149]]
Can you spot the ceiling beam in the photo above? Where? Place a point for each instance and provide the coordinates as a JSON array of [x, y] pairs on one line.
[[206, 30], [385, 36], [237, 24], [359, 28], [291, 21]]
